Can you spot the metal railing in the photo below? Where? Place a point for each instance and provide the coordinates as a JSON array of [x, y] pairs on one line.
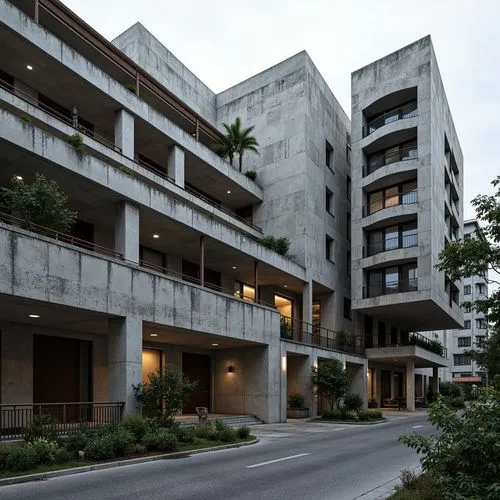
[[386, 158], [57, 235], [407, 198], [58, 418], [401, 241], [406, 111], [300, 331], [415, 338], [390, 287], [110, 144]]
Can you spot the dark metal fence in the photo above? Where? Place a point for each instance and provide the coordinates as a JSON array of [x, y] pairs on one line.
[[406, 198], [408, 110], [299, 331], [60, 418], [392, 156], [401, 241], [390, 287]]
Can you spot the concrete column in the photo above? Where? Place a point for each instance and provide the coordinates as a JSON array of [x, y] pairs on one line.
[[176, 165], [125, 361], [328, 311], [124, 132], [435, 381], [392, 385], [202, 260], [256, 280], [378, 386], [410, 385], [127, 231], [358, 376], [307, 299]]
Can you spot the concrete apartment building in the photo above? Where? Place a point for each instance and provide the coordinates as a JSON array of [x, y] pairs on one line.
[[407, 179], [164, 264]]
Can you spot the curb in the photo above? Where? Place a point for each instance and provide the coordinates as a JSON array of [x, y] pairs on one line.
[[119, 463], [348, 422]]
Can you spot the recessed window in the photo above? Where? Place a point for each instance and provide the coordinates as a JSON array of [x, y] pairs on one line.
[[462, 359], [348, 187], [467, 324], [348, 225], [329, 248], [348, 148], [467, 289], [467, 309], [329, 201], [348, 262], [347, 308], [481, 288], [329, 155], [481, 324], [464, 341]]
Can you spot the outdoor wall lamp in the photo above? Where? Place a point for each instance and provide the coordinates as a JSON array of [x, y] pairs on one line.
[[230, 369]]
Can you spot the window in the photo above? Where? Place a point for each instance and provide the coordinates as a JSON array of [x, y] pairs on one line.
[[389, 238], [401, 152], [467, 309], [395, 279], [347, 308], [464, 341], [316, 313], [329, 155], [461, 374], [481, 288], [400, 194], [467, 289], [462, 359], [480, 339], [348, 187], [467, 324], [244, 291], [329, 248], [481, 324], [329, 201], [467, 236], [348, 225], [284, 306], [348, 266], [348, 148]]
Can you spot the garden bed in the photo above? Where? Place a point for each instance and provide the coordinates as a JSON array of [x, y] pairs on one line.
[[134, 438], [352, 417]]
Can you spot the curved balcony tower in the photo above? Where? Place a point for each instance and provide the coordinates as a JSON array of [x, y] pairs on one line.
[[407, 191]]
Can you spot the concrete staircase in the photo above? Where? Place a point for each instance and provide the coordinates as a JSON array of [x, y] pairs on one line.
[[231, 420]]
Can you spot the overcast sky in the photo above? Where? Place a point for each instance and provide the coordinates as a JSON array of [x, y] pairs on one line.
[[226, 41]]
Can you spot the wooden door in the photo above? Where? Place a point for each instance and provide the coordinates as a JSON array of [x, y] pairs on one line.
[[197, 367]]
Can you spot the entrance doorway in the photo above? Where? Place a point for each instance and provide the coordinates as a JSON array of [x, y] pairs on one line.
[[197, 367]]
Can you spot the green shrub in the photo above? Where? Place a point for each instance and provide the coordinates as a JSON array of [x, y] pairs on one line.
[[63, 455], [139, 449], [76, 140], [160, 440], [449, 389], [100, 448], [279, 245], [42, 426], [77, 440], [21, 458], [372, 403], [375, 414], [243, 432], [455, 402], [4, 453], [45, 449], [224, 432], [123, 442], [138, 426], [185, 435], [205, 431], [333, 415], [295, 400], [353, 402]]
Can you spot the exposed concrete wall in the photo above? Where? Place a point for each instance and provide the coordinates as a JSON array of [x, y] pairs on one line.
[[36, 267], [53, 149], [17, 21], [17, 361], [143, 48], [254, 385]]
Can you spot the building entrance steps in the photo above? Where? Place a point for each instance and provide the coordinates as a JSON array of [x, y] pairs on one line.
[[231, 420]]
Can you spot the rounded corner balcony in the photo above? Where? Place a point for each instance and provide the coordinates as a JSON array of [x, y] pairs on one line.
[[381, 246], [390, 288], [389, 158], [400, 105], [400, 196]]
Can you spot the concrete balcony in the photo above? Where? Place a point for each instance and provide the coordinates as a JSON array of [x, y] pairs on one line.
[[423, 358]]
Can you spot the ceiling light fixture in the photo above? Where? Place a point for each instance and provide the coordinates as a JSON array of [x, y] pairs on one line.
[[286, 286], [29, 67], [19, 178], [215, 345], [234, 267], [229, 192], [156, 236], [153, 335], [34, 315]]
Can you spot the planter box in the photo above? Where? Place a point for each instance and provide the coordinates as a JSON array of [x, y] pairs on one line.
[[297, 412]]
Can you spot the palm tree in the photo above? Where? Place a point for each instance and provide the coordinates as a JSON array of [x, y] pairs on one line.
[[237, 140]]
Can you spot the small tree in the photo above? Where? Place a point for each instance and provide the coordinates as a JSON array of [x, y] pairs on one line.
[[463, 460], [42, 202], [330, 381], [164, 394], [237, 141]]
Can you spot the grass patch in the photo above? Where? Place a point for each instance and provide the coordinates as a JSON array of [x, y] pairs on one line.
[[350, 422], [199, 444], [415, 487]]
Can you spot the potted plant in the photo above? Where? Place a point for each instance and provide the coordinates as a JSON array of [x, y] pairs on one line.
[[296, 406]]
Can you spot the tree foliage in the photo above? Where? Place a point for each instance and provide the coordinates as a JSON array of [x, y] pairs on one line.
[[164, 394], [463, 460], [478, 256], [40, 203], [236, 141], [330, 380]]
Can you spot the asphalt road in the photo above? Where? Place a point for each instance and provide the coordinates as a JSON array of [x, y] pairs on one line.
[[292, 461]]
